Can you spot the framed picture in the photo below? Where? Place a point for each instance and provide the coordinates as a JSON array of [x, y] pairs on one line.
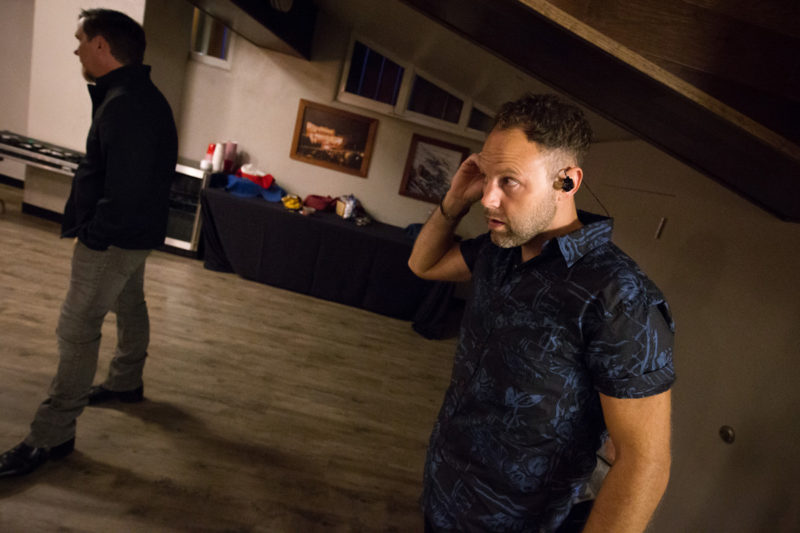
[[333, 138], [430, 165]]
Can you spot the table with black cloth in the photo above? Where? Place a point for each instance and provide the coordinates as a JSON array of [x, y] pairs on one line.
[[321, 255]]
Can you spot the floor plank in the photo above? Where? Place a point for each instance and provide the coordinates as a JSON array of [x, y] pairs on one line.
[[266, 410]]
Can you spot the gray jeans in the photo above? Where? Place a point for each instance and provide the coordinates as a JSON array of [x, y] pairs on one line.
[[100, 282]]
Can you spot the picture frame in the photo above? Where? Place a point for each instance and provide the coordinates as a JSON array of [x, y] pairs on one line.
[[333, 138], [430, 166]]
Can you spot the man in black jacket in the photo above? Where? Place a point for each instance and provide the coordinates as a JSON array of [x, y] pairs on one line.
[[117, 212]]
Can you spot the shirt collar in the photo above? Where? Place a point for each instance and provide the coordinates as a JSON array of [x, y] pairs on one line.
[[118, 76], [595, 232]]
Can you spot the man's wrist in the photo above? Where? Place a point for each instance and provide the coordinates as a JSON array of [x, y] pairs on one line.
[[450, 218]]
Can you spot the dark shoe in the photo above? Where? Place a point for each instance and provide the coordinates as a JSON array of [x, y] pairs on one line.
[[23, 459], [99, 394]]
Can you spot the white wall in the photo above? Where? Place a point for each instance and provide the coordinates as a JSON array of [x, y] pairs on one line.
[[16, 41], [59, 109], [255, 103], [728, 269], [44, 94], [168, 27]]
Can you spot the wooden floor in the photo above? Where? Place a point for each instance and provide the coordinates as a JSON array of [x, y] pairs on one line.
[[266, 410]]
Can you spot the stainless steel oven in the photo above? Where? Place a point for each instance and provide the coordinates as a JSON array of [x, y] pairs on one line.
[[185, 221]]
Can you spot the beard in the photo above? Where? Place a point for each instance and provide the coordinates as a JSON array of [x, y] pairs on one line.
[[519, 230]]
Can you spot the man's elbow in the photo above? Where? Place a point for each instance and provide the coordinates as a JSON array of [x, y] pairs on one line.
[[418, 270], [656, 473], [663, 474], [649, 470]]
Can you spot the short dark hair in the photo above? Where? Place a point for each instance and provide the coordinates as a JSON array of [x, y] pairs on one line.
[[549, 121], [124, 35]]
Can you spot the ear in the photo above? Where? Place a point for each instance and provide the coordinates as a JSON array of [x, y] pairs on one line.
[[576, 173], [100, 43], [575, 177], [106, 58]]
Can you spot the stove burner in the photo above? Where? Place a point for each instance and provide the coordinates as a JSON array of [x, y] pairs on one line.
[[39, 153]]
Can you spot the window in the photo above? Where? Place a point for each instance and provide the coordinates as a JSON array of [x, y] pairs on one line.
[[480, 121], [433, 101], [211, 40], [373, 76]]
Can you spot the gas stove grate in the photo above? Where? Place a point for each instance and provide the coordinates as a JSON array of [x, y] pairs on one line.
[[39, 153]]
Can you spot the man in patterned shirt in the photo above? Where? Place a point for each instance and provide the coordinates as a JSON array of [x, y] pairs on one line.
[[564, 342]]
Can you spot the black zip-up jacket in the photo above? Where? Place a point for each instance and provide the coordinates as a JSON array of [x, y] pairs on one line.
[[120, 192]]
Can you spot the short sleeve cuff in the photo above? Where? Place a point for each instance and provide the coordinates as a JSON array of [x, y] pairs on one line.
[[648, 384], [470, 248]]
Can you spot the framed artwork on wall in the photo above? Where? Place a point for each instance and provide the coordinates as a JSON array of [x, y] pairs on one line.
[[333, 138], [430, 165]]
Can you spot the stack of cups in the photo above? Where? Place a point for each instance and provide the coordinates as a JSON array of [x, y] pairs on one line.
[[220, 157], [229, 156], [207, 162]]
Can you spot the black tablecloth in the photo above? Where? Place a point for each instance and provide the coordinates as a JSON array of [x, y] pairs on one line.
[[320, 254]]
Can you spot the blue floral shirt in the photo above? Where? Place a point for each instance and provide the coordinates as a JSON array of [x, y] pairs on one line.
[[516, 436]]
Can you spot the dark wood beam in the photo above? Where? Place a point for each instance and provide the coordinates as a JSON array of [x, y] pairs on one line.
[[736, 151]]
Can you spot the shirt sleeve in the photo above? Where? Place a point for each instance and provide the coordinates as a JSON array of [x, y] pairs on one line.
[[470, 249], [629, 355]]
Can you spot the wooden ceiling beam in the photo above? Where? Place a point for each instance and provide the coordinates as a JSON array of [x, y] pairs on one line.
[[627, 89]]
